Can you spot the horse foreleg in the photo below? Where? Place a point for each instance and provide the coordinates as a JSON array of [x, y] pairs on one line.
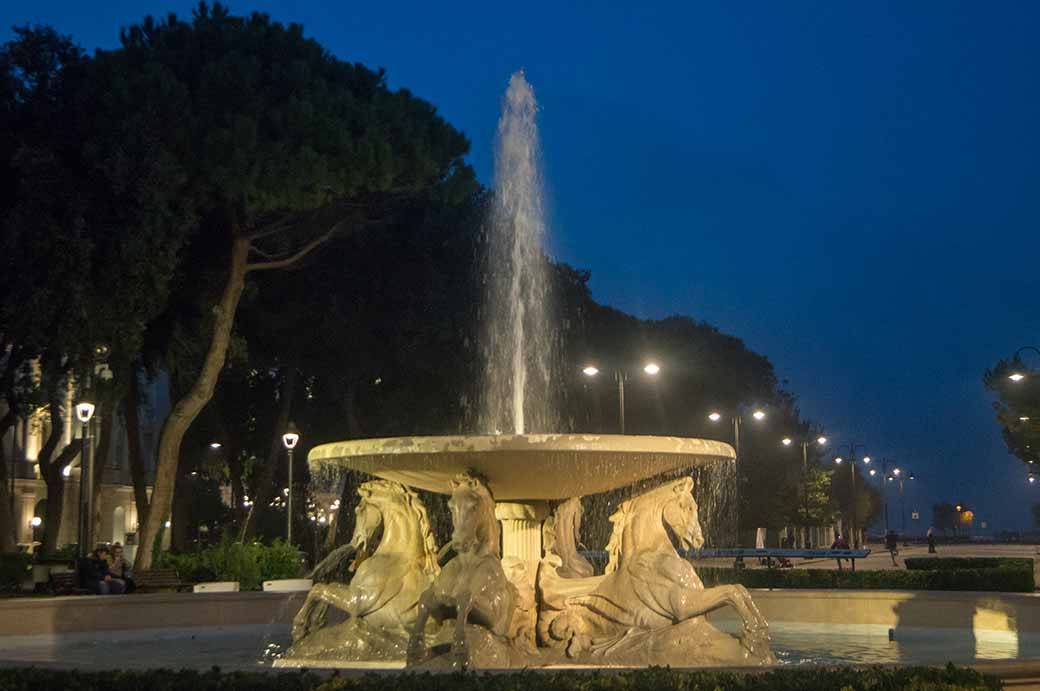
[[304, 621], [459, 649], [417, 643]]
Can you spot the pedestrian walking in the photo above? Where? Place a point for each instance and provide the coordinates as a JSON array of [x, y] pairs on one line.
[[931, 541]]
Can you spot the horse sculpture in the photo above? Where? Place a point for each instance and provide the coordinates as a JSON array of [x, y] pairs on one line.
[[561, 534], [382, 599], [649, 607], [472, 587]]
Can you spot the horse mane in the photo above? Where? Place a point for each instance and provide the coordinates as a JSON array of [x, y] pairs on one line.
[[416, 507], [628, 508]]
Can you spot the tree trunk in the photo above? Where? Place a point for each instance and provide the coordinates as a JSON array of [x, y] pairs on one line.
[[98, 461], [50, 470], [138, 474], [189, 406], [8, 537], [266, 487]]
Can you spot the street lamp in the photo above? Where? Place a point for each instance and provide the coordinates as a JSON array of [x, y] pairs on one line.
[[84, 412], [650, 368], [759, 415], [820, 441], [852, 470], [1015, 375], [290, 439]]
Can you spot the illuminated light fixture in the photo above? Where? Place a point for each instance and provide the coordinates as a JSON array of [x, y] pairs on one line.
[[1016, 376], [167, 524], [958, 507], [1032, 479], [66, 471], [651, 368], [873, 472], [285, 491], [759, 415], [291, 436], [36, 522], [890, 478], [714, 416], [84, 411], [911, 476], [1024, 418], [896, 471], [590, 371], [821, 440], [786, 441], [866, 459], [838, 459], [215, 445]]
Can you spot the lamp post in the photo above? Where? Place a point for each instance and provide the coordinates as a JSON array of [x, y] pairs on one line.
[[85, 411], [290, 439], [820, 441], [852, 469], [1016, 375], [898, 475], [650, 368], [758, 415]]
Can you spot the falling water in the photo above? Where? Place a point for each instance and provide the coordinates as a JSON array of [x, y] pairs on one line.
[[519, 341]]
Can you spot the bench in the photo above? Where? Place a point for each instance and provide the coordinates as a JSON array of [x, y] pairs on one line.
[[769, 554], [158, 579], [65, 583]]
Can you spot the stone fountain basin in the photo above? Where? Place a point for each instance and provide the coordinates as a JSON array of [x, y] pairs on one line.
[[523, 466]]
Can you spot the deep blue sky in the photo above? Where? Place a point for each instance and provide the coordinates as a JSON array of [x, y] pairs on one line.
[[850, 187]]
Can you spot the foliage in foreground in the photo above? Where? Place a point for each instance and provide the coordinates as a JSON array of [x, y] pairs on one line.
[[953, 563], [1004, 579], [14, 568], [874, 678], [248, 563]]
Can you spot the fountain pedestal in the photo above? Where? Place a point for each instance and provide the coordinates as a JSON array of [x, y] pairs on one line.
[[522, 528]]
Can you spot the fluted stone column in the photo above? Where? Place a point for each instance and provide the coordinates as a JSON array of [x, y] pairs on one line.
[[522, 528]]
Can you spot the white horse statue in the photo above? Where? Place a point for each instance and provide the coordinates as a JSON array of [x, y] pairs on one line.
[[649, 607], [472, 587], [382, 599]]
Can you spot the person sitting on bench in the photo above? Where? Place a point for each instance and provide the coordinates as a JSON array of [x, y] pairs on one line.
[[95, 577], [119, 567]]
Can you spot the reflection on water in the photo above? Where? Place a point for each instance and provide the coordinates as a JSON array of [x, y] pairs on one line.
[[863, 643], [247, 647]]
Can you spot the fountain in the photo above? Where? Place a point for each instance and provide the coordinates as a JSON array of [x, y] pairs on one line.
[[510, 588]]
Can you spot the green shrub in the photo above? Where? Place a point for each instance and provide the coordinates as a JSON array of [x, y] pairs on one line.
[[250, 564], [1004, 579], [814, 679], [952, 563], [15, 567]]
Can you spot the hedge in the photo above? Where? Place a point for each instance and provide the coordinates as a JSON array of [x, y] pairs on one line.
[[1004, 579], [952, 563], [815, 679]]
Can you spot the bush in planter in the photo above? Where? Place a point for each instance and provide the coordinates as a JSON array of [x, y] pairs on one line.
[[249, 564], [14, 568]]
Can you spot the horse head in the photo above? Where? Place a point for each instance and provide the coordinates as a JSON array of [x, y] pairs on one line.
[[474, 526], [368, 515], [680, 514]]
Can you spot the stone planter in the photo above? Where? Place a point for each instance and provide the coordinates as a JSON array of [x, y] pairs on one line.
[[217, 587], [288, 585]]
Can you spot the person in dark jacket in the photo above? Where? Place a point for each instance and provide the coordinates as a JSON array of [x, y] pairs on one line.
[[95, 576], [931, 541], [892, 545]]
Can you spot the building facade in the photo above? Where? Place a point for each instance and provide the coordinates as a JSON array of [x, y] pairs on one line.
[[118, 509]]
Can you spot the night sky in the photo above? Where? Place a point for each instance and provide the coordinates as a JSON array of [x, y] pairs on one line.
[[851, 189]]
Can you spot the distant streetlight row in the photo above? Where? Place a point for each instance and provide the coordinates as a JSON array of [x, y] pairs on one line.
[[651, 369]]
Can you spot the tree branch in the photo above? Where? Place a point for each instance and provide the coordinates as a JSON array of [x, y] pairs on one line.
[[300, 254]]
